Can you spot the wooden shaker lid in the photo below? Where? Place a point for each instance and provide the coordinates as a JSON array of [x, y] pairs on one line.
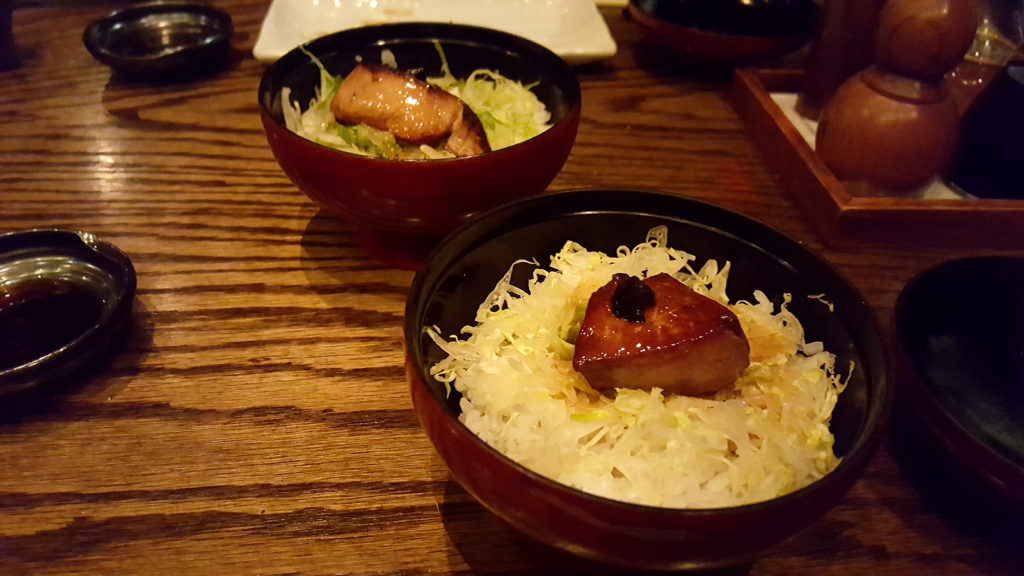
[[925, 38]]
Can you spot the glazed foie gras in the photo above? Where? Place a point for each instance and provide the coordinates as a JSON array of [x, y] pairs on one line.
[[411, 109], [657, 332]]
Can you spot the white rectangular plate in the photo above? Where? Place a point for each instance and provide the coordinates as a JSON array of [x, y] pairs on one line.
[[573, 29]]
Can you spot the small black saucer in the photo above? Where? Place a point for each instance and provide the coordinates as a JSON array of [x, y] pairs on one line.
[[163, 41], [958, 335], [64, 296]]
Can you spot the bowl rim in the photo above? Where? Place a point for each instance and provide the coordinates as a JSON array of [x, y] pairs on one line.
[[89, 250], [860, 451], [564, 76]]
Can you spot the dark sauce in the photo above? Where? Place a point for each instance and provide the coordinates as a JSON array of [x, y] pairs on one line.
[[631, 299], [40, 316]]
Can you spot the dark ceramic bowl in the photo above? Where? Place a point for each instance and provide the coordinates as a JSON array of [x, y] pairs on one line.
[[466, 266], [63, 298], [400, 208], [726, 32], [161, 41], [958, 333], [990, 144]]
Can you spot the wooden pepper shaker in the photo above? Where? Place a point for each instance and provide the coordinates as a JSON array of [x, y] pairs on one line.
[[842, 46], [893, 126]]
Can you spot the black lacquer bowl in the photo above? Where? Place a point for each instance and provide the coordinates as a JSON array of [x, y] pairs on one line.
[[958, 335]]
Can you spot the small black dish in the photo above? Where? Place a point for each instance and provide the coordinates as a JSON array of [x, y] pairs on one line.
[[958, 335], [161, 41], [63, 297]]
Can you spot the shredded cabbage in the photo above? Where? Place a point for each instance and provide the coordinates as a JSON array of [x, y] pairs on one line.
[[508, 110], [766, 436]]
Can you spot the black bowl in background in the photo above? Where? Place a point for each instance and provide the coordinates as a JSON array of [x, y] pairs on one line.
[[727, 32], [161, 41], [958, 339], [735, 17], [991, 141], [466, 266]]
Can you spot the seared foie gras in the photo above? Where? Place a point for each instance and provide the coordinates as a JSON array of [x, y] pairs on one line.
[[409, 108], [658, 333]]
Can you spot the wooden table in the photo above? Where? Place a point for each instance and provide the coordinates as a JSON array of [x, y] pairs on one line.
[[255, 418]]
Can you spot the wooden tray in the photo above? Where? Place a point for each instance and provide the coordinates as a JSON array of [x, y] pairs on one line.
[[840, 218]]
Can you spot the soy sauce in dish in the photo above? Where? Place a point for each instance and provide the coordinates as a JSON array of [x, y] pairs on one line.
[[40, 316]]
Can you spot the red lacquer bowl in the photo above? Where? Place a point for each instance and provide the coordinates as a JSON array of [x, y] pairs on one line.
[[726, 32], [400, 208], [464, 269]]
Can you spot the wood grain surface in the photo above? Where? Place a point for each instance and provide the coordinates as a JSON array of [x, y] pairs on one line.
[[254, 418]]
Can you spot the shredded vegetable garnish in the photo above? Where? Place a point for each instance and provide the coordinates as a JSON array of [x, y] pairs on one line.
[[765, 436], [508, 110]]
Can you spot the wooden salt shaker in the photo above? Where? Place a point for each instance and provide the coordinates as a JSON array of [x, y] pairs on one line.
[[893, 126], [842, 46]]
